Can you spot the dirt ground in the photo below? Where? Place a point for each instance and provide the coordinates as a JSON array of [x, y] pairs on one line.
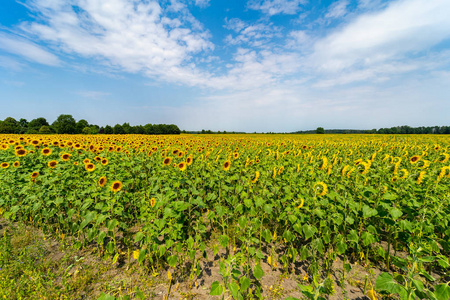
[[125, 277]]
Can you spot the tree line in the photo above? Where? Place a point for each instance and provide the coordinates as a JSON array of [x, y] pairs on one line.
[[66, 124], [393, 130]]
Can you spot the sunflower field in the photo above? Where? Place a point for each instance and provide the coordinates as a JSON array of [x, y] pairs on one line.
[[170, 203]]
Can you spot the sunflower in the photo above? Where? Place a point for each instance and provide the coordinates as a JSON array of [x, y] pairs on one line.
[[236, 155], [182, 166], [152, 202], [255, 179], [104, 161], [174, 152], [86, 161], [4, 165], [21, 152], [167, 161], [89, 167], [322, 187], [405, 174], [16, 164], [102, 181], [226, 165], [189, 160], [344, 170], [46, 151], [180, 154], [420, 177], [97, 158], [52, 164], [75, 163], [414, 159], [65, 156], [302, 201], [116, 186], [34, 174], [443, 158], [35, 142]]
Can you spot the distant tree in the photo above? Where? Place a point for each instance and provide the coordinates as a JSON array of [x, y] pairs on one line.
[[117, 129], [320, 130], [65, 124], [36, 124], [148, 128], [23, 124], [9, 125], [81, 124], [45, 129], [101, 130], [108, 130]]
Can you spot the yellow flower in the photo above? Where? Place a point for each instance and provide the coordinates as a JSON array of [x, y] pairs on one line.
[[46, 151], [21, 152], [65, 156], [372, 294], [420, 177], [102, 181], [52, 164], [34, 174], [4, 165], [255, 179], [226, 165], [152, 202], [189, 160], [182, 166], [89, 167], [414, 159], [167, 161], [405, 173], [322, 187], [16, 164], [116, 186], [302, 201]]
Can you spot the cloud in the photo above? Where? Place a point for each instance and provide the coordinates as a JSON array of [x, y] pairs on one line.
[[26, 49], [337, 9], [404, 28], [275, 7], [93, 94], [255, 35], [133, 37], [202, 3]]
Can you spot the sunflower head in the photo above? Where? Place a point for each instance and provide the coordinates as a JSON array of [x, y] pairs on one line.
[[167, 161], [46, 151], [65, 156], [16, 164], [104, 161], [86, 161], [255, 179], [116, 186], [152, 202], [226, 165], [182, 166], [320, 188], [34, 174], [189, 160], [414, 159], [4, 165], [102, 181], [21, 152], [89, 167], [52, 164]]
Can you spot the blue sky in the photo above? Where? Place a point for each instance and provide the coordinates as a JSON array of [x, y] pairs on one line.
[[256, 65]]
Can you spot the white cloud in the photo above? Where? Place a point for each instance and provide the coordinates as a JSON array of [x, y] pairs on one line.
[[255, 35], [93, 94], [275, 7], [135, 37], [403, 28], [202, 3], [26, 49], [337, 9]]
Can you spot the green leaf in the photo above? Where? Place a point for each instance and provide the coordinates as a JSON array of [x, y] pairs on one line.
[[367, 238], [442, 291], [172, 261], [385, 282], [104, 296], [353, 236], [139, 236], [245, 283], [116, 258], [87, 219], [223, 240], [309, 231], [234, 289], [395, 213], [368, 211], [258, 272], [418, 285], [142, 253], [216, 289]]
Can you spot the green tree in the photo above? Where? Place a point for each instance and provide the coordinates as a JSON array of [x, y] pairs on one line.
[[81, 124], [108, 130], [65, 124], [36, 124], [9, 125], [45, 129], [320, 130]]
